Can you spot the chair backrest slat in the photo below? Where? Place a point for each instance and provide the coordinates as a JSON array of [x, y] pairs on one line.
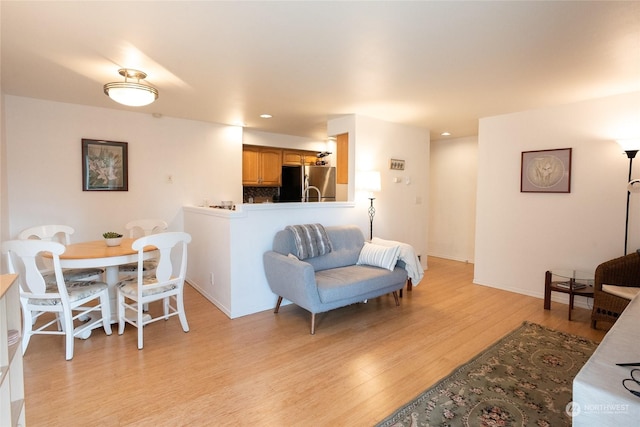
[[22, 258], [164, 243], [145, 227]]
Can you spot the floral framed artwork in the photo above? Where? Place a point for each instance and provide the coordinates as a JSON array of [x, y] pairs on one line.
[[104, 165], [546, 171]]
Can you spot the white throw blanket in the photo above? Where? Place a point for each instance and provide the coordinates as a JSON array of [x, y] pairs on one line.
[[408, 255]]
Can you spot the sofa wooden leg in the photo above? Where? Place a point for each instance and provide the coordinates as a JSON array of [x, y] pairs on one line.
[[409, 285], [278, 305], [395, 296], [313, 323]]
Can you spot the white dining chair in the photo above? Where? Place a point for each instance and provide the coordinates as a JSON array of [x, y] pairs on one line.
[[165, 285], [61, 234], [67, 300], [141, 228]]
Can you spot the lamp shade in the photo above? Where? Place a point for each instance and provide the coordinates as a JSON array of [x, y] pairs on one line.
[[631, 144], [369, 181], [634, 186], [133, 94]]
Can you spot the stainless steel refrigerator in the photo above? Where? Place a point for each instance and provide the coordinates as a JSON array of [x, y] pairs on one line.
[[297, 178]]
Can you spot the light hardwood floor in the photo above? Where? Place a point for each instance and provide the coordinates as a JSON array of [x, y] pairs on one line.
[[363, 363]]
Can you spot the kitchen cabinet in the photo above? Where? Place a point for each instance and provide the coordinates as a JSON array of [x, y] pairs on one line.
[[342, 158], [12, 411], [298, 157], [261, 166]]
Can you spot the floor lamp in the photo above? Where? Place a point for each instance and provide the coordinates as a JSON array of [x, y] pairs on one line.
[[370, 182], [630, 147]]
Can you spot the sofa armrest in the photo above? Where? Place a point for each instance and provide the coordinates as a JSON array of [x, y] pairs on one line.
[[292, 279]]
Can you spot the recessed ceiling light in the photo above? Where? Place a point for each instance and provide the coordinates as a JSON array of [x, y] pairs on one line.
[[266, 116], [445, 134]]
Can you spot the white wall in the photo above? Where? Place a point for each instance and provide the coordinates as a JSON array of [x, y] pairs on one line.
[[452, 198], [401, 207], [44, 168], [521, 235]]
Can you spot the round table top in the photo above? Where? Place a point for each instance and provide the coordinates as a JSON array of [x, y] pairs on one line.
[[99, 249]]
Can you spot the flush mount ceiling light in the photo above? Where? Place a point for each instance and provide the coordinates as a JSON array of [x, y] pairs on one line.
[[133, 94]]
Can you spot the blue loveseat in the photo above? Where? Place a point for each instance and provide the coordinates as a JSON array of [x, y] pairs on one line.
[[322, 283]]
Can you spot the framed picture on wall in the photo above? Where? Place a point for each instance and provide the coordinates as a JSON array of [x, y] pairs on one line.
[[104, 165], [546, 171]]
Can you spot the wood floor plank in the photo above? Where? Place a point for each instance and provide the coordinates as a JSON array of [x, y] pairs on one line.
[[364, 361]]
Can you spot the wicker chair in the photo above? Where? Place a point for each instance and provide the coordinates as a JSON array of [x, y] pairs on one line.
[[622, 271]]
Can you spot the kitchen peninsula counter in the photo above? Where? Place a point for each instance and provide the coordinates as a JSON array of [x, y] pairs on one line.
[[225, 256]]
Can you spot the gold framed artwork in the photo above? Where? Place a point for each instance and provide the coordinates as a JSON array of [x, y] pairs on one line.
[[546, 171]]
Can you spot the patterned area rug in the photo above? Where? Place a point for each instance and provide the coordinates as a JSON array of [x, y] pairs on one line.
[[525, 379]]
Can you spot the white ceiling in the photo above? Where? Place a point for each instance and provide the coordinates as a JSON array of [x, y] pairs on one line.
[[437, 65]]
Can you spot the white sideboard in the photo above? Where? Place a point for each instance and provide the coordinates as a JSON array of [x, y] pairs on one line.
[[599, 399], [12, 412]]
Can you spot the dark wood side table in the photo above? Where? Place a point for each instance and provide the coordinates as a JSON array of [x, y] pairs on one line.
[[570, 282]]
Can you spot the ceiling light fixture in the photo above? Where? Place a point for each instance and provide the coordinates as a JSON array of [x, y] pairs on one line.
[[130, 93], [445, 134], [266, 116]]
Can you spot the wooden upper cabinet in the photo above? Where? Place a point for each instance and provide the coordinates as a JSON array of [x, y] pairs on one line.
[[271, 167], [342, 158], [298, 157], [250, 165], [291, 158], [310, 158], [261, 166]]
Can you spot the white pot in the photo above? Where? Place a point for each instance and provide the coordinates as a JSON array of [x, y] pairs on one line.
[[113, 241]]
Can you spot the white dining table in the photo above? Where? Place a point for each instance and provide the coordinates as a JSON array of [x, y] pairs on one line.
[[599, 398], [96, 254]]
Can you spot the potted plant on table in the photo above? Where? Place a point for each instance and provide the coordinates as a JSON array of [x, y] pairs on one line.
[[111, 238]]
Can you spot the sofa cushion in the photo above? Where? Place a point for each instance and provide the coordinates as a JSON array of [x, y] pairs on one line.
[[346, 241], [310, 239], [626, 292], [379, 256], [346, 282]]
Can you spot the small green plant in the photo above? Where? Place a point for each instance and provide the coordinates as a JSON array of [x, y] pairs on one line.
[[111, 235]]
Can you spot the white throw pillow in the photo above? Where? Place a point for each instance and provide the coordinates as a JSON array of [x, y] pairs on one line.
[[379, 256]]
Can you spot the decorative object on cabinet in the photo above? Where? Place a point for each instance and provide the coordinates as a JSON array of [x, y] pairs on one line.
[[396, 164], [12, 408], [546, 171], [130, 93], [104, 165], [630, 147]]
